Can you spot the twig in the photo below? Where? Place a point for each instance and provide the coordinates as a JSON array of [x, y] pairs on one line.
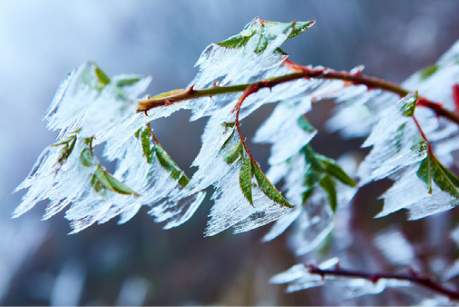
[[300, 72], [425, 281]]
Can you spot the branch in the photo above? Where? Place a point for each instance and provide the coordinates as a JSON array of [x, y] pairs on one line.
[[300, 72], [425, 281]]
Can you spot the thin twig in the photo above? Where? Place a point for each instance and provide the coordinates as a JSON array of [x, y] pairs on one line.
[[425, 281]]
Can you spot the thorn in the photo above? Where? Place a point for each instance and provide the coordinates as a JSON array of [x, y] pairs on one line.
[[215, 84], [374, 279], [167, 102], [337, 266], [191, 90], [146, 114], [148, 96]]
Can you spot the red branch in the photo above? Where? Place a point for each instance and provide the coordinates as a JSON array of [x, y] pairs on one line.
[[425, 281]]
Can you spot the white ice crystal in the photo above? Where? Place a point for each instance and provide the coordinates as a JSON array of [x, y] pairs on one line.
[[392, 139], [231, 208], [94, 104]]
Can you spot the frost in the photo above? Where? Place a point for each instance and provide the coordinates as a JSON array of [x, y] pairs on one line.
[[91, 102], [231, 208], [392, 138], [239, 65], [299, 277], [409, 192], [312, 221]]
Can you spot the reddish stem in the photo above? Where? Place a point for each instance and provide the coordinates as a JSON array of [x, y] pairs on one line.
[[456, 97], [425, 281]]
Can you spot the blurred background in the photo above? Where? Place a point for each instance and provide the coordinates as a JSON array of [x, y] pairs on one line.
[[139, 263]]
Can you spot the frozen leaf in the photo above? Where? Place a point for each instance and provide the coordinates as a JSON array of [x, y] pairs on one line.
[[224, 164], [267, 187], [104, 181], [431, 169], [245, 178], [329, 187], [264, 32]]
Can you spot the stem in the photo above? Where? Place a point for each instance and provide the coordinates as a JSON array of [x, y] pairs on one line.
[[300, 72], [251, 89], [424, 281]]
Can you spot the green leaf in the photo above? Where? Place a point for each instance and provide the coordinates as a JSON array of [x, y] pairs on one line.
[[333, 169], [425, 172], [228, 139], [103, 78], [409, 105], [128, 81], [429, 71], [145, 138], [329, 187], [432, 169], [104, 181], [86, 157], [267, 187], [299, 27], [93, 76], [233, 153], [67, 148], [262, 44], [267, 31], [304, 124], [245, 178], [238, 40], [166, 162]]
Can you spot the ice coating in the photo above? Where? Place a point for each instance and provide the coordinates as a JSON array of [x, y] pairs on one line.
[[409, 192], [231, 208], [392, 139], [312, 221], [299, 277], [91, 102]]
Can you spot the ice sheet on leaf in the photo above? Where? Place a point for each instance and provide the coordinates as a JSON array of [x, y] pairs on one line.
[[299, 277], [239, 65], [61, 186], [357, 110], [169, 201], [313, 221], [393, 139], [409, 192], [88, 100], [231, 208]]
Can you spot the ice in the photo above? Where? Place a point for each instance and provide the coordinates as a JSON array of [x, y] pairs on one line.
[[392, 139], [395, 247], [239, 65], [92, 104], [231, 208], [313, 221], [452, 271], [169, 201], [281, 130], [409, 192], [59, 186], [299, 277]]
